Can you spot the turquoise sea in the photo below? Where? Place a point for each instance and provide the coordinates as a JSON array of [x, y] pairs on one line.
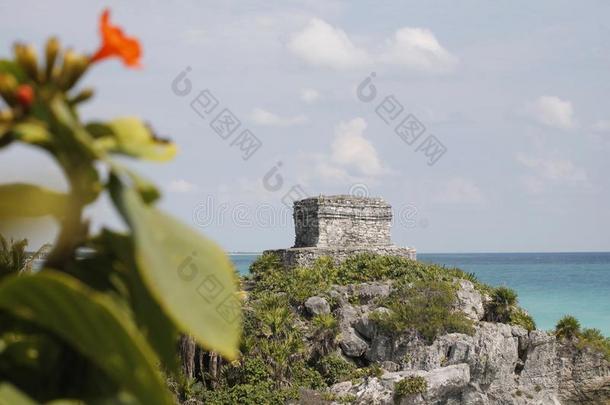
[[549, 285]]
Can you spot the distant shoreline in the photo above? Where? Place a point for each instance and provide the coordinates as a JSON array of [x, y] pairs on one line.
[[471, 253]]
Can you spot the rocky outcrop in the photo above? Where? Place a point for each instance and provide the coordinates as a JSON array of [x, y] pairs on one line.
[[469, 301], [442, 384], [317, 306], [583, 376], [498, 364]]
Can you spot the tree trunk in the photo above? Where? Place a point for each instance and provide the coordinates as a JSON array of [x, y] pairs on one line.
[[188, 349]]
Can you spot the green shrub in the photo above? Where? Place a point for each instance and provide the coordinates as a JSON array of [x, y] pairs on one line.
[[190, 388], [503, 302], [270, 333], [305, 376], [264, 264], [301, 283], [374, 370], [335, 368], [298, 283], [347, 399], [325, 322], [469, 276], [594, 339], [325, 330], [252, 370], [567, 327], [410, 386], [13, 257], [263, 392], [426, 307], [519, 317]]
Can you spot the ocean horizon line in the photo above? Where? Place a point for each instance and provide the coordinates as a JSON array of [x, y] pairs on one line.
[[465, 253]]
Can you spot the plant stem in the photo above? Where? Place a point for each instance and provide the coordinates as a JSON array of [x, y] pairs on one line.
[[73, 231]]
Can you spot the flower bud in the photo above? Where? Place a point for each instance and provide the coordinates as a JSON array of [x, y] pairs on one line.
[[25, 95], [51, 51], [83, 95], [8, 87], [67, 69], [27, 59], [81, 64], [6, 115], [73, 68]]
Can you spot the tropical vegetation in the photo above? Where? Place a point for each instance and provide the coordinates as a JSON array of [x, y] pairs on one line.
[[568, 328]]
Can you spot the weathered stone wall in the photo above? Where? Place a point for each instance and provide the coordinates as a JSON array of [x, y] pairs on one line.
[[342, 221], [306, 256]]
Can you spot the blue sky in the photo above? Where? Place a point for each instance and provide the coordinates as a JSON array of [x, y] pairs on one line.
[[515, 91]]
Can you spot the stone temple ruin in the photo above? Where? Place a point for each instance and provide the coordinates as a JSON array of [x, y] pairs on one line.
[[341, 226]]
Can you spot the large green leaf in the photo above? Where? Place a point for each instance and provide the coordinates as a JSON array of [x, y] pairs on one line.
[[10, 395], [190, 276], [135, 139], [148, 191], [93, 324], [26, 200], [159, 330]]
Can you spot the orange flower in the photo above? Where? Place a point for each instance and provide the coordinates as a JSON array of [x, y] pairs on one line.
[[116, 43]]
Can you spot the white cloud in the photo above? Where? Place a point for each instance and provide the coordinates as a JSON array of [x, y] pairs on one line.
[[458, 190], [418, 48], [181, 186], [352, 158], [552, 171], [267, 118], [309, 95], [352, 150], [332, 173], [601, 126], [321, 44], [553, 112]]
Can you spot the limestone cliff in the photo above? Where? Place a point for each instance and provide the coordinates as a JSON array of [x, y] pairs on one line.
[[498, 364]]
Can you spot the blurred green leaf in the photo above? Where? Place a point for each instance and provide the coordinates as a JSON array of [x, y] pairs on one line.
[[10, 395], [4, 133], [152, 321], [10, 67], [93, 324], [135, 139], [190, 276], [98, 129], [73, 134], [34, 132], [147, 190], [122, 398], [26, 200]]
